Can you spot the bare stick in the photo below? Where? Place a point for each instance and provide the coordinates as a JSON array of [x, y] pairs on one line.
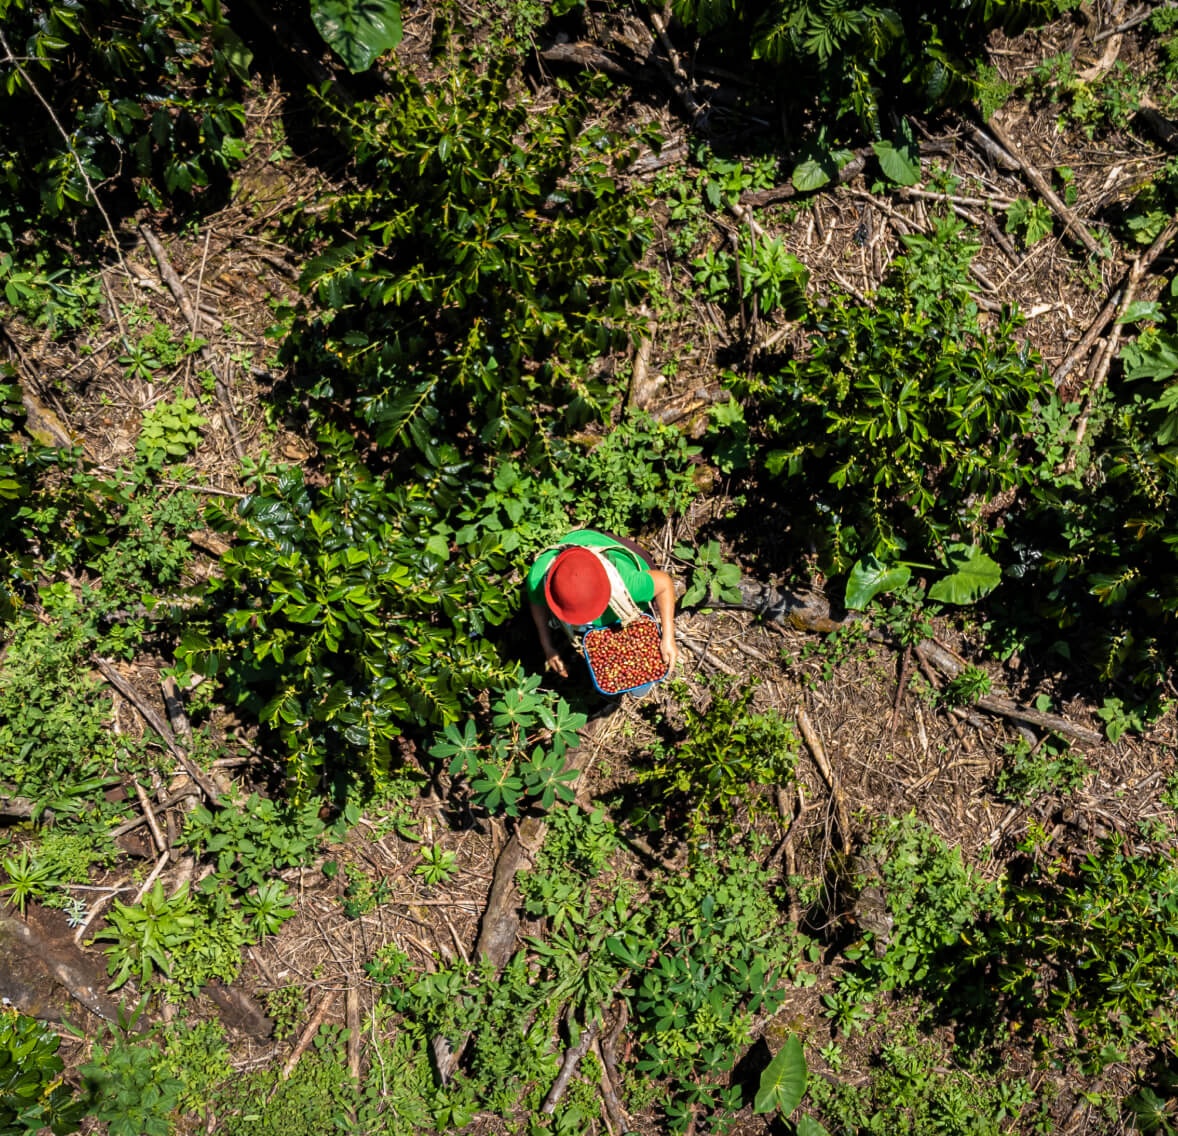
[[167, 802], [1064, 212], [995, 704], [352, 1014], [1089, 338], [642, 386], [814, 742], [677, 76], [568, 1067], [160, 843], [305, 1038], [152, 717], [1131, 22], [1118, 303], [176, 287]]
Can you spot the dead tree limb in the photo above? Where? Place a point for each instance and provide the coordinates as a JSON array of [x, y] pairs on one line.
[[153, 718], [305, 1038], [355, 1036], [176, 287], [1065, 213], [568, 1067], [1006, 708], [1118, 303], [63, 971], [818, 752]]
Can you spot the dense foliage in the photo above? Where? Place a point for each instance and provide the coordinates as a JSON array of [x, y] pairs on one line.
[[860, 60]]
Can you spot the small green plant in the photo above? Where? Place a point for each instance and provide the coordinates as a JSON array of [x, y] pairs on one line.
[[438, 865], [145, 935], [126, 1087], [170, 430], [268, 908], [725, 751], [288, 1007], [712, 579], [1030, 220], [32, 1094], [27, 879], [966, 687], [1032, 772]]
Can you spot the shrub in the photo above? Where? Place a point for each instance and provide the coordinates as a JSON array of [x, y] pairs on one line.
[[905, 419], [502, 262]]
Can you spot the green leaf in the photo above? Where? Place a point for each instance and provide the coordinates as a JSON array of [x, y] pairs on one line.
[[783, 1083], [810, 174], [358, 30], [900, 163], [806, 1125], [976, 575], [1140, 310], [869, 578]]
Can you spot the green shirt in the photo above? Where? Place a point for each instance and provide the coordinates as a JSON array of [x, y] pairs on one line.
[[639, 582]]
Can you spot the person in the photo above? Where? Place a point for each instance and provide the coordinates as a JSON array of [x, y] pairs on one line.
[[570, 582]]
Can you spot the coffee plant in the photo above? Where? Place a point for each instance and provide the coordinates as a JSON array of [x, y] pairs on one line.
[[502, 264], [144, 97], [903, 420], [858, 60]]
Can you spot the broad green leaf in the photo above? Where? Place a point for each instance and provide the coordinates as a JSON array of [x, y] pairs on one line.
[[358, 30], [806, 1125], [976, 575], [1142, 310], [810, 174], [900, 163], [783, 1083], [869, 578]]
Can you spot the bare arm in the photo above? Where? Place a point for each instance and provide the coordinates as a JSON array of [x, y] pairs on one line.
[[552, 659], [664, 599]]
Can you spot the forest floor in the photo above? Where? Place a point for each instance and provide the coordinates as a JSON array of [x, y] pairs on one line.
[[891, 745]]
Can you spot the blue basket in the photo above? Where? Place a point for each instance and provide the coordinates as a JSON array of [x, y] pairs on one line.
[[641, 689]]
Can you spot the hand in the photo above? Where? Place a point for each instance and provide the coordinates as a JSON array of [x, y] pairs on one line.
[[554, 662], [669, 652]]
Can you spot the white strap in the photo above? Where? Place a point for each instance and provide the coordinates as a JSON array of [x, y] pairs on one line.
[[620, 599]]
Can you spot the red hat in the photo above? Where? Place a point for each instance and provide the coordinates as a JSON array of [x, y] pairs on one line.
[[576, 587]]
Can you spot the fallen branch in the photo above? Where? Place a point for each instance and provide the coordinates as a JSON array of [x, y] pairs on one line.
[[1005, 708], [157, 835], [63, 971], [703, 654], [169, 277], [568, 1067], [642, 385], [1118, 303], [152, 717], [182, 794], [1064, 212], [677, 76], [783, 192], [352, 1017], [19, 807], [814, 743], [607, 1053], [305, 1039]]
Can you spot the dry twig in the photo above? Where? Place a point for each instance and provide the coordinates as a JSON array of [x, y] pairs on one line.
[[818, 752]]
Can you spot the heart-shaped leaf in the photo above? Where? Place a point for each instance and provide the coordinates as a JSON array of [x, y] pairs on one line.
[[975, 575], [869, 578], [783, 1083]]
